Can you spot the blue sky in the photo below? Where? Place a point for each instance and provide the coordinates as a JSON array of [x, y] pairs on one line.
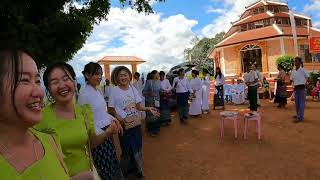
[[161, 38]]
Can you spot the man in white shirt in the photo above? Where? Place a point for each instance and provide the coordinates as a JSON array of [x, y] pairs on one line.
[[183, 90], [299, 78], [251, 79]]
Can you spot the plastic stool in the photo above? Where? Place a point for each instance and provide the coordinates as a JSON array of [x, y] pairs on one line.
[[228, 115], [253, 116]]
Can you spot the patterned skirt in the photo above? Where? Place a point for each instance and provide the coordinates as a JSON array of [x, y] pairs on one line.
[[105, 161], [165, 112]]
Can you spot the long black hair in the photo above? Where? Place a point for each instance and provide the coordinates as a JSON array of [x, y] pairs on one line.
[[218, 73], [195, 72], [10, 71]]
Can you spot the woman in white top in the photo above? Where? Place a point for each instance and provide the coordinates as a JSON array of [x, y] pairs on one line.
[[104, 155], [219, 78], [183, 90], [205, 91], [125, 104], [219, 94], [196, 86], [165, 95]]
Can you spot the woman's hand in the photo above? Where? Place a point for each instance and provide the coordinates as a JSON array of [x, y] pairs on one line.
[[112, 129], [119, 126], [86, 175], [154, 111]]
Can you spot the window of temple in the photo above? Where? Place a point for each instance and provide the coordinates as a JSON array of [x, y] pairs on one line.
[[255, 25], [286, 21], [258, 24], [274, 9], [278, 20], [250, 26], [244, 27], [267, 22], [301, 22], [284, 9], [259, 10]]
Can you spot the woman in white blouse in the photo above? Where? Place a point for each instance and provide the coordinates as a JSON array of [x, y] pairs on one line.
[[165, 95], [125, 104], [205, 91], [196, 86], [104, 155], [219, 94], [183, 90]]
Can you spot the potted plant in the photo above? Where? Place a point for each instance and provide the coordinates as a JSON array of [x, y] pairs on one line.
[[286, 61]]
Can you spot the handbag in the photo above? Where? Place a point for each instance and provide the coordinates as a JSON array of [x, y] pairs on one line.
[[88, 146], [134, 119]]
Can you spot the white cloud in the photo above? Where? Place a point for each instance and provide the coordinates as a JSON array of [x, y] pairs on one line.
[[211, 9], [160, 41], [232, 9], [313, 9], [314, 6]]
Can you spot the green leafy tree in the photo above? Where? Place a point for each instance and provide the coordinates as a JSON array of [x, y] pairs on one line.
[[198, 54], [286, 61], [54, 30]]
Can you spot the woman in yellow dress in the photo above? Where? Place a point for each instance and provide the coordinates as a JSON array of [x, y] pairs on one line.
[[25, 154]]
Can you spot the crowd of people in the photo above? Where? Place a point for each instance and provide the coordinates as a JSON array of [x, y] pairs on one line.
[[71, 137]]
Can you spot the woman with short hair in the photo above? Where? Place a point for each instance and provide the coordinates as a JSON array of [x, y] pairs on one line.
[[125, 104]]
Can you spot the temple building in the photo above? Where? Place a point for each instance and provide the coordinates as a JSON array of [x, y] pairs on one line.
[[265, 31]]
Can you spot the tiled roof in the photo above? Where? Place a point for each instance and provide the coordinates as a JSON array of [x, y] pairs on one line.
[[256, 5], [253, 18], [276, 3], [265, 15], [255, 34], [121, 59], [263, 3], [265, 33], [301, 31], [282, 14]]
